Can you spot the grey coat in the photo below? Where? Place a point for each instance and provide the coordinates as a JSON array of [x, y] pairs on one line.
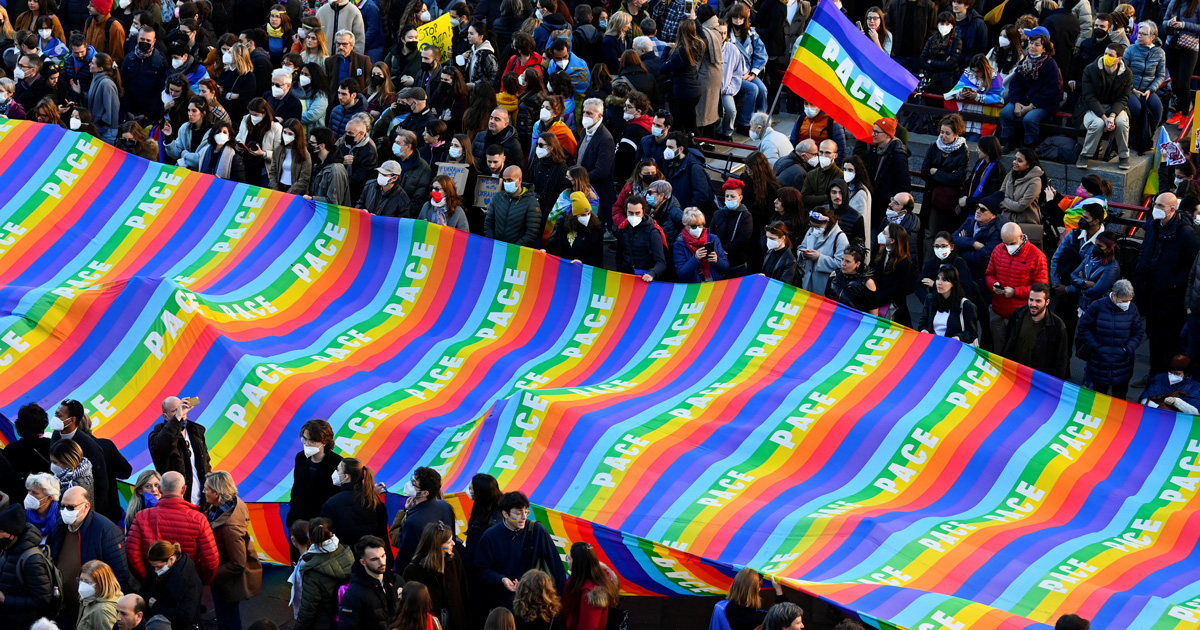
[[710, 74], [104, 102]]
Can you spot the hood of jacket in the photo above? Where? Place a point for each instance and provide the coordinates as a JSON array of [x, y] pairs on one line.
[[335, 564]]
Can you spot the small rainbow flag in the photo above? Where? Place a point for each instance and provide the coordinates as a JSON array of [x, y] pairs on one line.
[[838, 69]]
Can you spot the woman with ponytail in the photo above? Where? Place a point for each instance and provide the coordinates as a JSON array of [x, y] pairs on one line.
[[323, 567], [357, 510], [172, 588]]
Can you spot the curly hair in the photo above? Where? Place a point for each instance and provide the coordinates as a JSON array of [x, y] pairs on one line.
[[536, 598]]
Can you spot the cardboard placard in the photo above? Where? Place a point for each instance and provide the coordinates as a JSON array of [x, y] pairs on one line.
[[485, 189], [457, 172]]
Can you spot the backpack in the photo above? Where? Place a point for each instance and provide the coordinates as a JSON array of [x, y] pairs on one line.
[[56, 580], [1059, 149]]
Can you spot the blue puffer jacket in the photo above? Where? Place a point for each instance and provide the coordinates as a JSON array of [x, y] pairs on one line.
[[1159, 385], [1149, 66], [687, 266], [1113, 336], [341, 115], [99, 539], [1093, 269]]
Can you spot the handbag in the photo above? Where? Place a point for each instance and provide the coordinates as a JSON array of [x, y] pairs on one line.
[[962, 323], [1186, 41]]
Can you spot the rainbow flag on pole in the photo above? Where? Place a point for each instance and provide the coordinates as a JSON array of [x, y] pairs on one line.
[[838, 69]]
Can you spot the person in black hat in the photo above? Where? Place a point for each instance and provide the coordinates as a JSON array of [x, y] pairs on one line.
[[25, 572]]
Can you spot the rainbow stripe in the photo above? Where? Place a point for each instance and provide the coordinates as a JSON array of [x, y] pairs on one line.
[[840, 70], [685, 430]]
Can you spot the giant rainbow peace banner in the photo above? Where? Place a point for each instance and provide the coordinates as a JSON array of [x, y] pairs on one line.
[[685, 430]]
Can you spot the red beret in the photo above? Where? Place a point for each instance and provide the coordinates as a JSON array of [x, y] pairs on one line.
[[733, 184]]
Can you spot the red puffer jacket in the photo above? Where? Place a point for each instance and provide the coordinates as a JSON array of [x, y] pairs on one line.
[[173, 520], [1019, 271]]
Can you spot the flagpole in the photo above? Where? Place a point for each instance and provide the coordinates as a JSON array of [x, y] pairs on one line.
[[771, 112]]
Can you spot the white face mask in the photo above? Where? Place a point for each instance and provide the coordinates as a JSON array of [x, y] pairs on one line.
[[382, 180], [124, 4], [455, 152], [221, 138], [825, 162], [1124, 306], [546, 115], [585, 219], [1012, 249], [668, 154], [892, 215], [305, 80], [227, 58], [542, 152], [75, 124], [813, 161], [755, 136], [945, 29], [630, 115], [695, 231], [31, 502], [1159, 214], [45, 33], [56, 424], [86, 590], [589, 122], [166, 97], [276, 91], [1004, 42], [882, 238], [163, 571], [1174, 379], [255, 119], [56, 469], [521, 80], [69, 516], [773, 244], [635, 221], [848, 176], [18, 73], [177, 63], [309, 451], [409, 489], [811, 112], [425, 17], [288, 139], [337, 478], [455, 23]]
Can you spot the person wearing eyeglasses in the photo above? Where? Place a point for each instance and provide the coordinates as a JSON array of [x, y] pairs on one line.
[[508, 549], [31, 85], [82, 537], [888, 165]]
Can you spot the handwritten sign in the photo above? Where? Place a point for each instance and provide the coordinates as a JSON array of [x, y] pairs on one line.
[[485, 189], [1172, 154], [437, 33], [457, 172]]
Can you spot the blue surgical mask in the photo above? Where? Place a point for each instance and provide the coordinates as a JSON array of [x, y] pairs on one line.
[[732, 204], [651, 199], [510, 187], [396, 149], [657, 131], [150, 500]]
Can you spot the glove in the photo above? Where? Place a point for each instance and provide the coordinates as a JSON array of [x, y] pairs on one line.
[[406, 80], [1183, 406]]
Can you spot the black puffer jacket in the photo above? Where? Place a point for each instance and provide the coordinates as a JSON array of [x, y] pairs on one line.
[[367, 604], [24, 602], [351, 521], [176, 595], [641, 248]]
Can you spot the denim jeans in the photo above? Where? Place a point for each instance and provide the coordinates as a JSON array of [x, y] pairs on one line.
[[1031, 120], [754, 99], [1145, 114], [728, 113], [108, 135]]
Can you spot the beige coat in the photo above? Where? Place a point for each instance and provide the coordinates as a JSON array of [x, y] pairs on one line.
[[710, 74], [301, 172], [1020, 203]]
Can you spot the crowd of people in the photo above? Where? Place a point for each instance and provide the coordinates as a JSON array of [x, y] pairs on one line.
[[71, 557], [578, 129]]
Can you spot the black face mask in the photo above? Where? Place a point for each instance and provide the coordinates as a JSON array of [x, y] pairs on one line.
[[350, 141], [144, 47], [410, 46], [129, 145], [376, 81], [426, 66], [649, 179], [1099, 33], [403, 108]]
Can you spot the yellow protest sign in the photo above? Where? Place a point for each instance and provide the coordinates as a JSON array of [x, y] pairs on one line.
[[437, 33]]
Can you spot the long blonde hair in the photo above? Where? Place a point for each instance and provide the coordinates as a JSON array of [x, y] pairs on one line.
[[107, 586], [137, 502], [241, 58]]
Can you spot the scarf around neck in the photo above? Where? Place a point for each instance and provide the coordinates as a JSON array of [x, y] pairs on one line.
[[693, 244]]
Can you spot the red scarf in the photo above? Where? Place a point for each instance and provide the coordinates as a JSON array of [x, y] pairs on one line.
[[696, 243]]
